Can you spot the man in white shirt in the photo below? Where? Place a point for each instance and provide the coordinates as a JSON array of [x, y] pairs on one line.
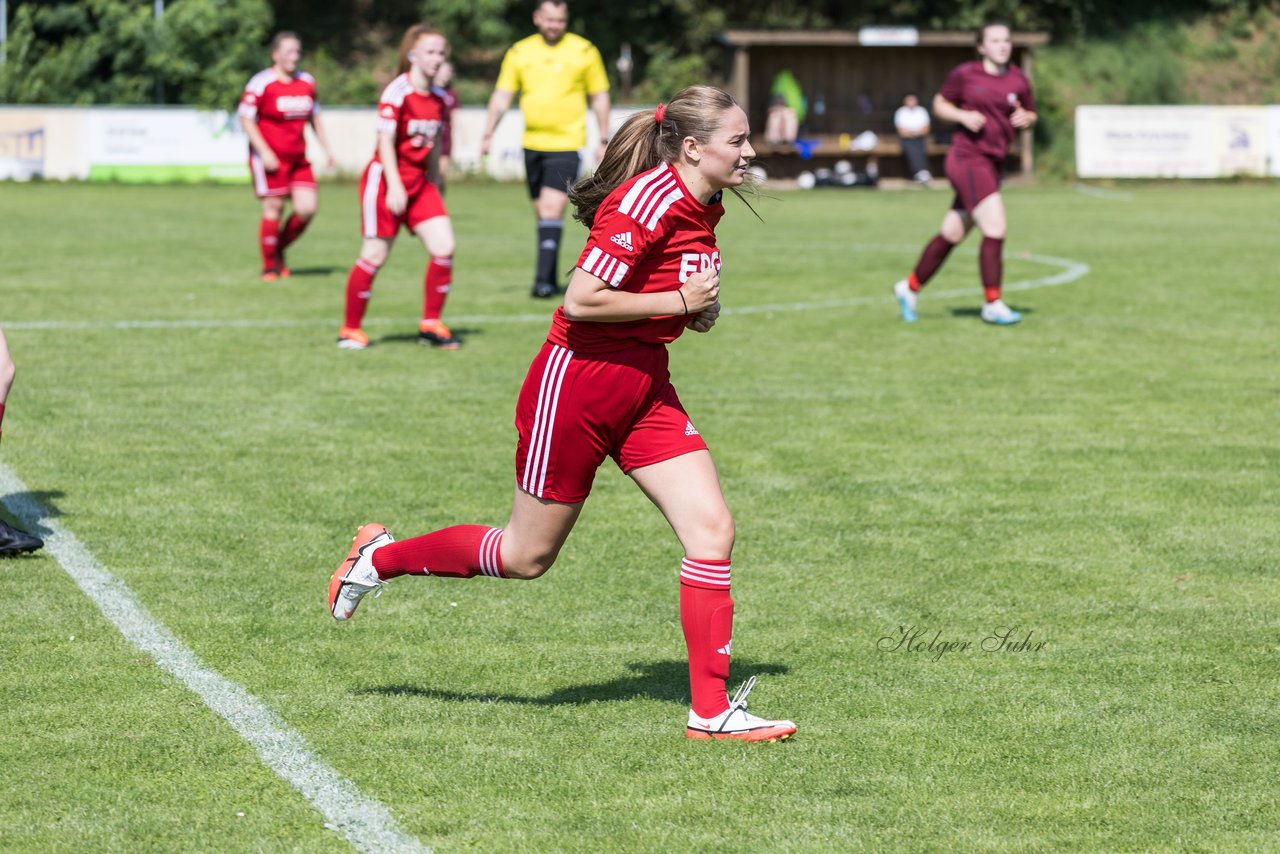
[[912, 123]]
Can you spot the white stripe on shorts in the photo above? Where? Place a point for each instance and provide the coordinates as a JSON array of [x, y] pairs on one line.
[[539, 454], [369, 206], [259, 174]]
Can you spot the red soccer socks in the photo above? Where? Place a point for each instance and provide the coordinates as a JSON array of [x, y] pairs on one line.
[[461, 551], [706, 615]]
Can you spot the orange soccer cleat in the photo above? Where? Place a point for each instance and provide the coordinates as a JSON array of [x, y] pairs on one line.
[[352, 338], [436, 334], [356, 576]]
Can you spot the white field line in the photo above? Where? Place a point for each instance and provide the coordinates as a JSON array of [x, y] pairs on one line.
[[366, 823], [1070, 272], [1103, 193]]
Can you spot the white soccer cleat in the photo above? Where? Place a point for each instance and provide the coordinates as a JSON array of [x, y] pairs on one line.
[[737, 724], [356, 576], [906, 300], [1000, 314]]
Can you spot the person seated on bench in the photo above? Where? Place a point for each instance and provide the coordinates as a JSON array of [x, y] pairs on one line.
[[912, 123]]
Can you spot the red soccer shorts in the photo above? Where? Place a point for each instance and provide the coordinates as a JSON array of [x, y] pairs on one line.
[[291, 174], [974, 178], [576, 409], [376, 221]]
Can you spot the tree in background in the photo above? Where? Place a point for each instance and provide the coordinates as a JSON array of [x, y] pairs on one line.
[[116, 52]]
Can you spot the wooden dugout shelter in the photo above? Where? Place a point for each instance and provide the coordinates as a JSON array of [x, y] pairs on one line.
[[860, 78]]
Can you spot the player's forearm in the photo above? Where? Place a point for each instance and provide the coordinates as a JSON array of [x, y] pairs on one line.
[[947, 111], [600, 106], [390, 165], [499, 101], [321, 136], [256, 140], [588, 298]]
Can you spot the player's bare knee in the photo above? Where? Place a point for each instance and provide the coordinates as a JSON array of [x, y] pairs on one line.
[[527, 560], [375, 254], [527, 567], [713, 537]]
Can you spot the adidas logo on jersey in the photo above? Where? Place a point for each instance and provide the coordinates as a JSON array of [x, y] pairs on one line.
[[624, 240], [690, 430], [727, 649]]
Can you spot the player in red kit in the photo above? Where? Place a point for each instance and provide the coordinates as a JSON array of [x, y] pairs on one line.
[[396, 190], [599, 388], [275, 109], [991, 100]]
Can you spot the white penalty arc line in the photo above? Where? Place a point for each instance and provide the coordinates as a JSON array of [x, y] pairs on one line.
[[366, 823], [1103, 193], [1070, 271]]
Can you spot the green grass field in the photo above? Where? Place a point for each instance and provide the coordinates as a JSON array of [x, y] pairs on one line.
[[1105, 475]]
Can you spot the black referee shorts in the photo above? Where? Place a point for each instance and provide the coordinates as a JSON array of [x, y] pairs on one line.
[[555, 169]]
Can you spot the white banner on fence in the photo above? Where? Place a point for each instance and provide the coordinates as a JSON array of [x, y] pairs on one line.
[[1273, 134], [1172, 142], [166, 145]]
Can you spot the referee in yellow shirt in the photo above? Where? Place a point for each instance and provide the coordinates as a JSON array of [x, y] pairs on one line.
[[554, 71]]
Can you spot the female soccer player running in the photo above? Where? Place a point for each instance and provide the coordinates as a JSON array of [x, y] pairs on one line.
[[989, 99], [276, 106], [599, 387], [396, 190]]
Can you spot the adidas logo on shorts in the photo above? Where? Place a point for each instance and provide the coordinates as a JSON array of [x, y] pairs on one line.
[[690, 430], [623, 239]]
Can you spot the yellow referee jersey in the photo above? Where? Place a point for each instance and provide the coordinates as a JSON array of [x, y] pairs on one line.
[[553, 82]]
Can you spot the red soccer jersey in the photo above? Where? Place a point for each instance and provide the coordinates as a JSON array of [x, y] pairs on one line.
[[281, 110], [650, 235], [415, 118], [970, 87]]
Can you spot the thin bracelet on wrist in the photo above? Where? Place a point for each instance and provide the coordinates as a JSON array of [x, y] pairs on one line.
[[683, 302]]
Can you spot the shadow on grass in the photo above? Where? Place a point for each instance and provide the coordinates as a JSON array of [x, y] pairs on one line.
[[658, 680], [412, 337], [971, 311], [33, 505], [15, 542], [313, 271]]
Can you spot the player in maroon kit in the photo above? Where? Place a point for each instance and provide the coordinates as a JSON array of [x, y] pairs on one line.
[[274, 110], [990, 100], [396, 190], [442, 85], [599, 387]]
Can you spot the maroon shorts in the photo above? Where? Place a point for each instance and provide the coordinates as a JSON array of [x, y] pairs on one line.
[[424, 203], [576, 409], [974, 178], [290, 174]]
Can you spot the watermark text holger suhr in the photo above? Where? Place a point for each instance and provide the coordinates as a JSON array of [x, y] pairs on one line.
[[932, 644]]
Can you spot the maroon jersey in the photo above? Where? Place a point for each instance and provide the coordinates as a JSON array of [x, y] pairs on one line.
[[415, 119], [996, 96], [450, 100], [650, 235], [281, 110]]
